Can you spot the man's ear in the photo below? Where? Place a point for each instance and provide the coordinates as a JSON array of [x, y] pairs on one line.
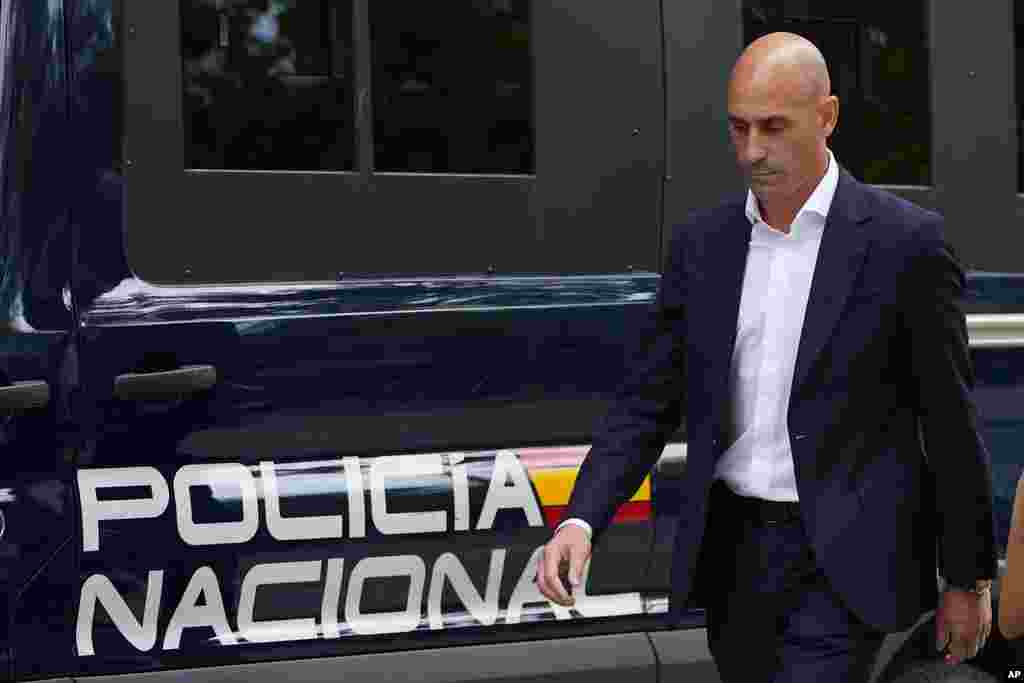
[[829, 114]]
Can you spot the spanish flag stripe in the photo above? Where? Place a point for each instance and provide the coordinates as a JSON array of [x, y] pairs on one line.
[[555, 485], [634, 511]]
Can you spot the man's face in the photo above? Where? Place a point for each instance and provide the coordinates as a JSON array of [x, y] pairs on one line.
[[779, 132]]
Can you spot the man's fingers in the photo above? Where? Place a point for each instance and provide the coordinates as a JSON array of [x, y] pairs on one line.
[[967, 640], [980, 642], [958, 650], [960, 644], [965, 646], [550, 564], [576, 560], [544, 572], [548, 581], [986, 630], [968, 632]]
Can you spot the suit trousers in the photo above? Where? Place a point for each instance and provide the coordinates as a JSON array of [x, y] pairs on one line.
[[772, 615]]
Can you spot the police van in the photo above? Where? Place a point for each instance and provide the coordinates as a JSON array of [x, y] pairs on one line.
[[308, 309]]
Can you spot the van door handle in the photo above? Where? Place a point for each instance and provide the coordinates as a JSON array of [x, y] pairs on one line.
[[165, 385], [22, 396]]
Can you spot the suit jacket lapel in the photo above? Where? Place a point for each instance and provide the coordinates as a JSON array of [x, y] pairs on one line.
[[840, 257], [724, 266]]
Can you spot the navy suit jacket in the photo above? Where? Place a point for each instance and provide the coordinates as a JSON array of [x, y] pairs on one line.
[[893, 477]]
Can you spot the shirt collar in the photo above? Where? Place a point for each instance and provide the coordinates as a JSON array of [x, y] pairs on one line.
[[818, 203]]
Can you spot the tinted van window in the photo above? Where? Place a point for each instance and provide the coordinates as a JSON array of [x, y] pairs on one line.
[[268, 85], [452, 85], [879, 61]]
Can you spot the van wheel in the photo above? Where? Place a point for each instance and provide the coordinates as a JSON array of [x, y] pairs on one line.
[[937, 671]]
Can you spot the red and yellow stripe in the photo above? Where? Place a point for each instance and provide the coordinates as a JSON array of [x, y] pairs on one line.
[[553, 473]]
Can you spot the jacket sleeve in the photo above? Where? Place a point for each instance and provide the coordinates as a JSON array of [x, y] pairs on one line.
[[646, 410], [947, 417]]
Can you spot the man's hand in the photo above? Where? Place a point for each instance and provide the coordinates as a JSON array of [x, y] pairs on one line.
[[570, 547], [964, 621]]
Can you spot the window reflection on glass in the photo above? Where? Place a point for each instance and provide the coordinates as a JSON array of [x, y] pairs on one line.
[[878, 59], [268, 84], [452, 84]]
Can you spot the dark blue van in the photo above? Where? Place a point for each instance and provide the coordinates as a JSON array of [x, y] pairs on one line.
[[308, 308]]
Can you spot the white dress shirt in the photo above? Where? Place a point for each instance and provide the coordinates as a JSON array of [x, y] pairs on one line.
[[776, 286]]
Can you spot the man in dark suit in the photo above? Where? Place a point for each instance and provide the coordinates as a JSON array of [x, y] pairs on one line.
[[813, 333]]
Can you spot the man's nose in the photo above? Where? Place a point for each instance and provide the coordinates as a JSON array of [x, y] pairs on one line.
[[752, 150]]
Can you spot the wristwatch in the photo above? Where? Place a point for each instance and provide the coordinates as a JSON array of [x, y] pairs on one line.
[[979, 587]]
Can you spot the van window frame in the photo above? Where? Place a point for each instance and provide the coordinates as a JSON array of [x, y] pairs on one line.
[[491, 224]]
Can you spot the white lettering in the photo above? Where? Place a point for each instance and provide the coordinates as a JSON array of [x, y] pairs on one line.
[[356, 498], [501, 496], [190, 614], [409, 467], [382, 567], [509, 488], [484, 610], [332, 596], [94, 510], [275, 630], [460, 487], [98, 589], [296, 528], [201, 604], [215, 533]]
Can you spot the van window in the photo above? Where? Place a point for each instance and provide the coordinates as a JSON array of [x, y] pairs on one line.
[[452, 86], [878, 55], [307, 140], [268, 85]]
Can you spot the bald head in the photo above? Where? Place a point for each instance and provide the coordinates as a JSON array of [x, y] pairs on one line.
[[783, 61], [781, 114]]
